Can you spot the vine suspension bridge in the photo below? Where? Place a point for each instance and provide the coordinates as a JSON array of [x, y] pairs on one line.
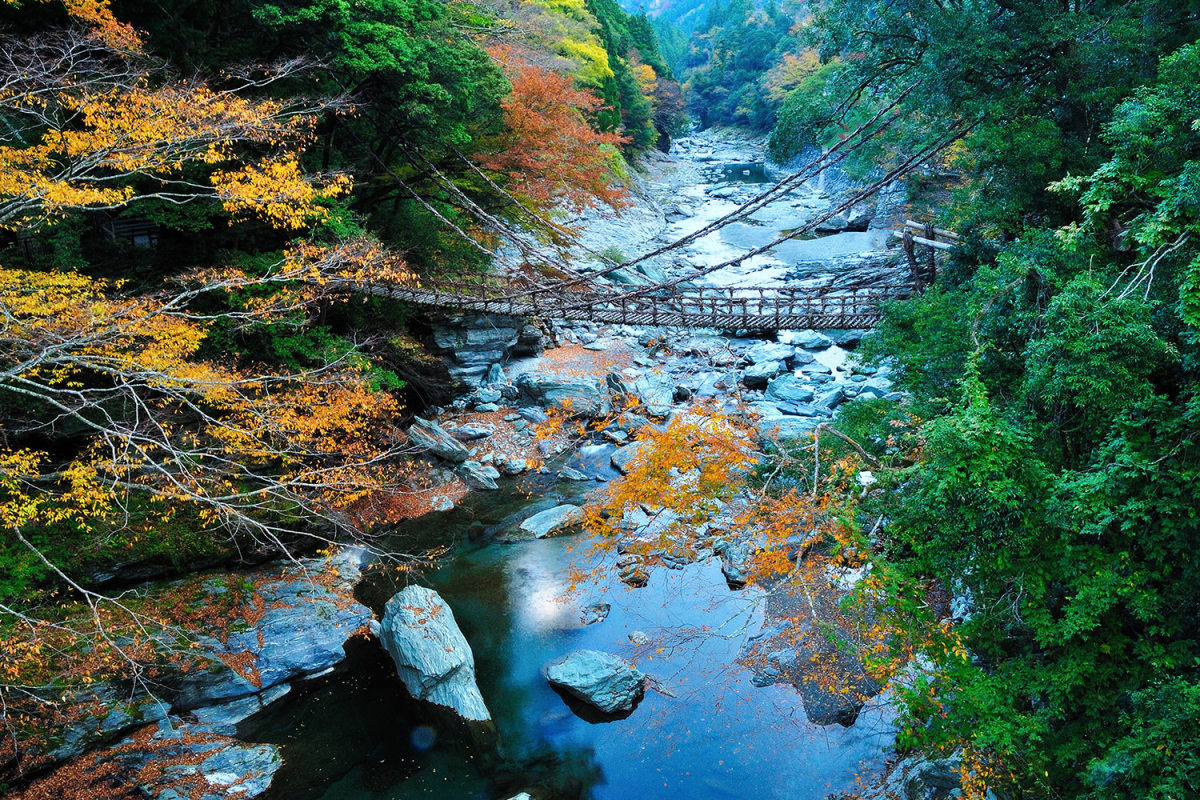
[[680, 301], [677, 305]]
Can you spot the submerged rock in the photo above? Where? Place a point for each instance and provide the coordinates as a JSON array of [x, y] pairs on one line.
[[552, 520], [432, 656], [603, 680], [594, 612]]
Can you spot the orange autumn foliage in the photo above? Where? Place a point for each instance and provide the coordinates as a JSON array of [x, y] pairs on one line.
[[549, 154], [700, 484], [98, 16]]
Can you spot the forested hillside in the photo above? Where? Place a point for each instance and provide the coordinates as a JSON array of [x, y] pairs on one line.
[[1048, 469]]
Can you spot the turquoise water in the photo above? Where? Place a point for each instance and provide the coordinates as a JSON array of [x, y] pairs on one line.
[[355, 734]]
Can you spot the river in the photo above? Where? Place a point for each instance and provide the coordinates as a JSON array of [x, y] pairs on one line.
[[353, 734]]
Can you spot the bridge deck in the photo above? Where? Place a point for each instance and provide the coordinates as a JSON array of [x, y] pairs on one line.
[[774, 308]]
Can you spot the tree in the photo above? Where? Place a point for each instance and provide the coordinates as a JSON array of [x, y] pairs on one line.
[[118, 405], [93, 129], [548, 151]]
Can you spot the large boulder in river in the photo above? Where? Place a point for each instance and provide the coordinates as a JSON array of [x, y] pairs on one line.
[[302, 630], [428, 435], [789, 389], [603, 680], [431, 654], [552, 520], [585, 396]]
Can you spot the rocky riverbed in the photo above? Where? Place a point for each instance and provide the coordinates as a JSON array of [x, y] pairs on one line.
[[262, 714]]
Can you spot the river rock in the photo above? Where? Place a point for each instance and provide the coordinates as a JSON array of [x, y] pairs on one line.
[[809, 340], [495, 375], [478, 476], [798, 409], [656, 394], [920, 778], [583, 396], [235, 769], [790, 389], [782, 429], [472, 431], [735, 561], [428, 435], [572, 474], [431, 655], [846, 338], [552, 521], [770, 351], [302, 630], [473, 343], [594, 612], [757, 375], [831, 399], [623, 456], [603, 680]]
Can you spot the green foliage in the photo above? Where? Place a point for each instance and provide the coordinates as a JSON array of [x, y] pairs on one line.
[[1054, 373], [440, 87], [729, 58]]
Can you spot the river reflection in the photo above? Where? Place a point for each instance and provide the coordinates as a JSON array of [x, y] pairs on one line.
[[355, 735]]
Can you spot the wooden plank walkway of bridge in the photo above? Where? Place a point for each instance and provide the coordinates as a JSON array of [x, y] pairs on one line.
[[723, 308]]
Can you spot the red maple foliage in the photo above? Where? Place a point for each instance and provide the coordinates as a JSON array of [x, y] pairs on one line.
[[548, 153]]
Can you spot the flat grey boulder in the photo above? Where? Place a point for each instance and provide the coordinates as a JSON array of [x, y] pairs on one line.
[[810, 340], [789, 389], [428, 435], [603, 680], [552, 520], [432, 656], [757, 375], [770, 351], [583, 396]]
